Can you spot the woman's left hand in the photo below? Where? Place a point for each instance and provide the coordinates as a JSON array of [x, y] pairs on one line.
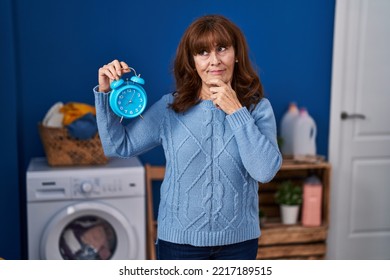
[[223, 96]]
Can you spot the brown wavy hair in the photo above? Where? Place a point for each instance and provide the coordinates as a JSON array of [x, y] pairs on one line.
[[201, 35]]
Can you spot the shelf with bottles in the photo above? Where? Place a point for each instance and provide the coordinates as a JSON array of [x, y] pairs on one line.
[[279, 241]]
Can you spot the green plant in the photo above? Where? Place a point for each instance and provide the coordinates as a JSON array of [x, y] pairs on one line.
[[288, 194]]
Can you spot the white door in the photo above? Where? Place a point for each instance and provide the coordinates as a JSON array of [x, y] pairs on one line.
[[359, 144]]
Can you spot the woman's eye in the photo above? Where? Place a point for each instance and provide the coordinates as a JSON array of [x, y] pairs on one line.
[[203, 53], [221, 49]]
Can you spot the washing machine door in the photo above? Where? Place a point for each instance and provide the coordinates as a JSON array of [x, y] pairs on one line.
[[89, 230]]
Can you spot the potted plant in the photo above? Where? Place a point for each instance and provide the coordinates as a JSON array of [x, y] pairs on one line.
[[289, 196]]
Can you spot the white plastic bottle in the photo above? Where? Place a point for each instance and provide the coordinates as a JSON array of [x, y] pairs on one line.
[[287, 129], [304, 135]]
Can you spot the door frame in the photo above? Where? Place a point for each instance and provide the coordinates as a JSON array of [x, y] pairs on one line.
[[337, 89]]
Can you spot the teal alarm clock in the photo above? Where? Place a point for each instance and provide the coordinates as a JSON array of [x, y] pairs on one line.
[[128, 98]]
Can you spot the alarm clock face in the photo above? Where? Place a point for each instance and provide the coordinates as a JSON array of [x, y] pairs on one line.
[[128, 101]]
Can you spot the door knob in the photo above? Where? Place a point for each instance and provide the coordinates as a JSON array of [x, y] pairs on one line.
[[345, 116]]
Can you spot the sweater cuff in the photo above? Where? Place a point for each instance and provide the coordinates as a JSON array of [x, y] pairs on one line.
[[100, 97], [96, 90], [239, 118]]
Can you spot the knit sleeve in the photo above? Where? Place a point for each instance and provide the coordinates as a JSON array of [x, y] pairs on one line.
[[255, 133], [132, 137]]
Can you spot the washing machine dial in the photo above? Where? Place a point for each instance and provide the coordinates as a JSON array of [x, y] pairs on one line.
[[86, 187]]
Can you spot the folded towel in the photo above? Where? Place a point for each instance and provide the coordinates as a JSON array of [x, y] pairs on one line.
[[84, 127], [74, 110]]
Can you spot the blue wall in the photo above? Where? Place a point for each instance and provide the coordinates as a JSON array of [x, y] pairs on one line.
[[52, 50]]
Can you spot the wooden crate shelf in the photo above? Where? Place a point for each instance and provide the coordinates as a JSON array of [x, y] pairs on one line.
[[292, 234], [294, 251], [280, 241]]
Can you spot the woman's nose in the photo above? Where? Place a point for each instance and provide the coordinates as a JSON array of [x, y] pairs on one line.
[[214, 59]]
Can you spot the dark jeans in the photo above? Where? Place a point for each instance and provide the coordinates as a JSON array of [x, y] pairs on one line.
[[246, 250]]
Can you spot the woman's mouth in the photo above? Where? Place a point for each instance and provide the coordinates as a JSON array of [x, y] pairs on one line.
[[216, 72]]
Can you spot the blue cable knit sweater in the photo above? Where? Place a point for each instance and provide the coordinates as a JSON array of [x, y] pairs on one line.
[[209, 195]]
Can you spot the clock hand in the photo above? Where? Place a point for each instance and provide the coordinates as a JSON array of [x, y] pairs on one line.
[[131, 99]]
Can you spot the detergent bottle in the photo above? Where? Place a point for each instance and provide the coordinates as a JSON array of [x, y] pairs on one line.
[[311, 202], [287, 129], [304, 135]]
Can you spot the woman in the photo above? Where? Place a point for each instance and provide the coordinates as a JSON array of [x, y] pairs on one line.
[[219, 137]]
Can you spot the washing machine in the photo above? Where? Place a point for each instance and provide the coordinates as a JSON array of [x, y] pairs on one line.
[[86, 212]]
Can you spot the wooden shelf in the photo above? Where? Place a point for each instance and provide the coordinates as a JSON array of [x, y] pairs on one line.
[[303, 166], [312, 251], [281, 234], [277, 241], [280, 241]]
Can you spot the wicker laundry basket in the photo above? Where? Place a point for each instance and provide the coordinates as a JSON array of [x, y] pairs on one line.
[[61, 149]]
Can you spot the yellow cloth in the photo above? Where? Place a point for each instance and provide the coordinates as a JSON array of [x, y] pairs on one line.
[[74, 110]]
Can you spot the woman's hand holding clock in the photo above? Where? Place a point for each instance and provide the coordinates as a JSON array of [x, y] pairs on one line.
[[110, 72], [127, 98]]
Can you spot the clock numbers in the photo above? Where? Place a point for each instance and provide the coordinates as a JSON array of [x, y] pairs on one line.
[[129, 102], [128, 105]]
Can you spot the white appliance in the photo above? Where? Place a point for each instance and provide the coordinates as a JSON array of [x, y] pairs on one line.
[[94, 212]]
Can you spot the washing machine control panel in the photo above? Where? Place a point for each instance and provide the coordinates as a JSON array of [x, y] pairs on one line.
[[105, 186], [119, 178], [86, 187]]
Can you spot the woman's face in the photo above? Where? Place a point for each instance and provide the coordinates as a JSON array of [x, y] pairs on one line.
[[218, 63]]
